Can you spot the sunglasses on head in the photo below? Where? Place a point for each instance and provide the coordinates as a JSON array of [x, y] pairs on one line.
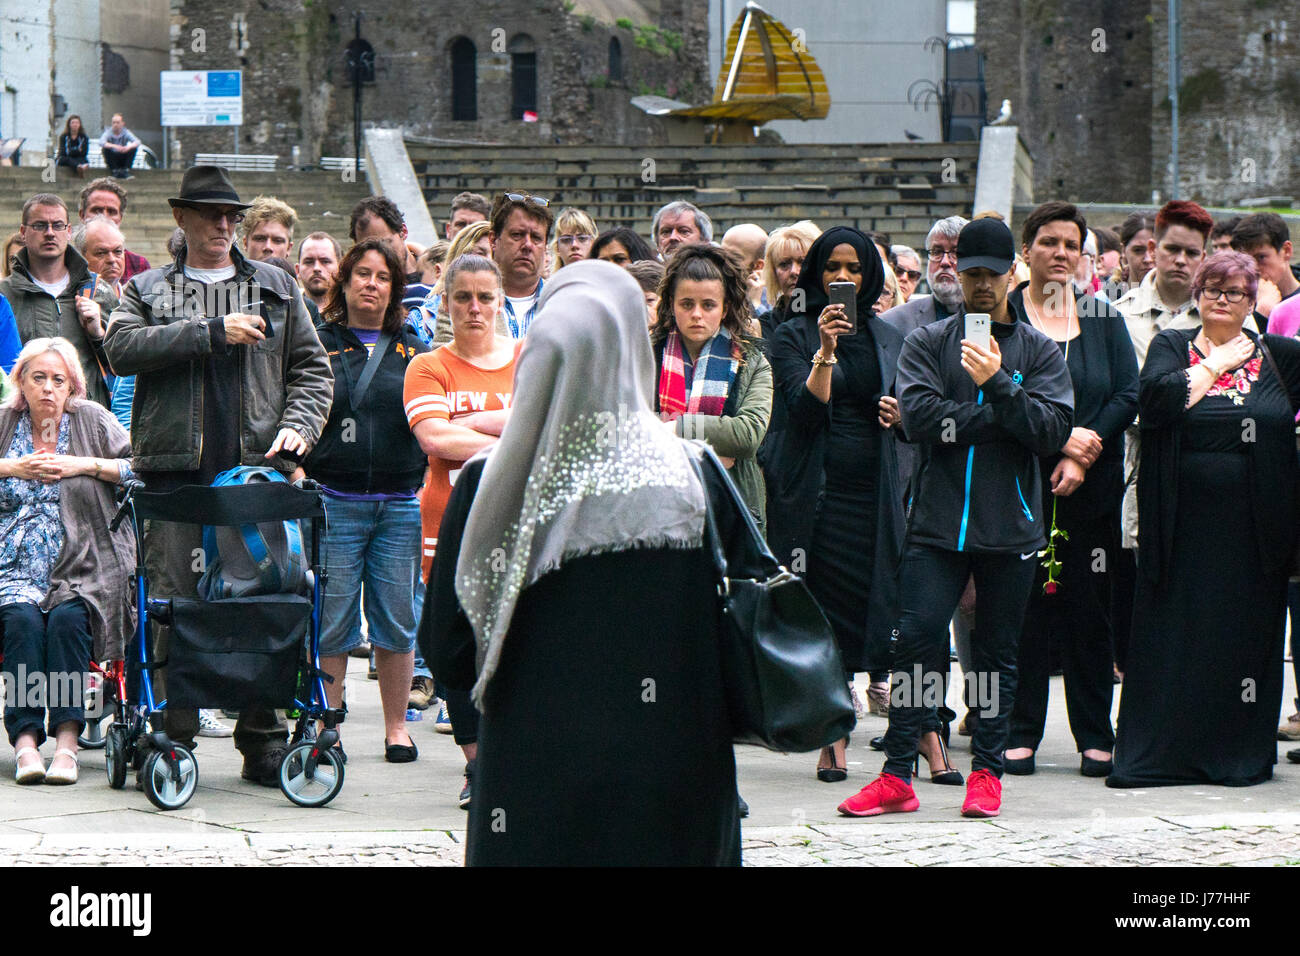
[[524, 197]]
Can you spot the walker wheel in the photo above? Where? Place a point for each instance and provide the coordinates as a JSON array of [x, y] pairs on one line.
[[115, 756], [164, 792], [318, 789]]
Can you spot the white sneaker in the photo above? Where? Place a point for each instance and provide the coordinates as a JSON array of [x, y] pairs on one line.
[[210, 726]]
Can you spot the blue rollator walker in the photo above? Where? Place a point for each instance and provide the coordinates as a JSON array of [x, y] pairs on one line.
[[255, 651]]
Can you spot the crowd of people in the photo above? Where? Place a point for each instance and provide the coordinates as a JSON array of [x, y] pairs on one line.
[[521, 572]]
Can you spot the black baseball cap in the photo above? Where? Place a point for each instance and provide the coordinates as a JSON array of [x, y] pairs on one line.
[[985, 244]]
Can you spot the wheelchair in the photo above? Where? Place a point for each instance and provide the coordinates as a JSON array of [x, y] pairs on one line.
[[255, 651]]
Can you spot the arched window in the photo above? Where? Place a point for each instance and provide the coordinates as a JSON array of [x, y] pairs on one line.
[[615, 60], [523, 76], [464, 80]]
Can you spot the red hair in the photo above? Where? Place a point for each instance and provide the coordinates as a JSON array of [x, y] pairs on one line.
[[1180, 212]]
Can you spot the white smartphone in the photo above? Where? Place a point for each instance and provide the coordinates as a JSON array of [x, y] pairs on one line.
[[977, 329]]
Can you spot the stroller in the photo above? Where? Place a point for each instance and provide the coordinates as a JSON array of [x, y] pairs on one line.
[[257, 651]]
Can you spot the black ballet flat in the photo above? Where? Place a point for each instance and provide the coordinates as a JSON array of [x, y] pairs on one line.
[[1096, 768], [1022, 767], [1293, 755]]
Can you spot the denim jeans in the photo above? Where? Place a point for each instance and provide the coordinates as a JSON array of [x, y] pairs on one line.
[[375, 545], [56, 646]]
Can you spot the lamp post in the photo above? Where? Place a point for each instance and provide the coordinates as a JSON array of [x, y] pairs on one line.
[[360, 59]]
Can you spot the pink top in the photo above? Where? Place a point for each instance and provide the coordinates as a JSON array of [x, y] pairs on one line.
[[1285, 317]]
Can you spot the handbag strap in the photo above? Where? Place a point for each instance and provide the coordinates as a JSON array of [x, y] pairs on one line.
[[358, 394], [1268, 354], [756, 539], [712, 540]]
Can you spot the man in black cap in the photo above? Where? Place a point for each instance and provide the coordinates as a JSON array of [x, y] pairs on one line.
[[981, 417], [229, 371]]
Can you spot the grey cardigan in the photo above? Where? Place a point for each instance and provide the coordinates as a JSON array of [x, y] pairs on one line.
[[94, 564]]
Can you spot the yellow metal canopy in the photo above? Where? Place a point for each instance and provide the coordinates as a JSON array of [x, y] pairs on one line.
[[767, 74]]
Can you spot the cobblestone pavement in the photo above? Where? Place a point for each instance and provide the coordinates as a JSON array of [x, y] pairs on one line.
[[1135, 843], [407, 814]]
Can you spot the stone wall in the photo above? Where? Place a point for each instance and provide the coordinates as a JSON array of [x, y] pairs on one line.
[[296, 90], [1081, 98], [1239, 103], [1094, 110]]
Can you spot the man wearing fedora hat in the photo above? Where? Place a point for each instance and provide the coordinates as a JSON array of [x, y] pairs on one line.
[[229, 371]]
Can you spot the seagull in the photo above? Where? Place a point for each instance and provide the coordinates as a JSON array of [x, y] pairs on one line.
[[1004, 115]]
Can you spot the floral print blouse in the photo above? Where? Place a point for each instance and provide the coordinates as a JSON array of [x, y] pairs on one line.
[[31, 531], [1235, 385]]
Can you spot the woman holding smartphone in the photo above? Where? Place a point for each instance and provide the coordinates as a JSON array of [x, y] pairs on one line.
[[836, 512]]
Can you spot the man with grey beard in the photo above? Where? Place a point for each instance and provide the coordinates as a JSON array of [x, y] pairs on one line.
[[945, 296]]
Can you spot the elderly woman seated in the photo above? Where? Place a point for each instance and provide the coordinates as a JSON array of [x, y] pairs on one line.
[[63, 576]]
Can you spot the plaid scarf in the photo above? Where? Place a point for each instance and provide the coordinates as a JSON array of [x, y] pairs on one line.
[[715, 370]]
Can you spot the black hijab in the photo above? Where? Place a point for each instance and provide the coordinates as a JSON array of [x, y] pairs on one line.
[[814, 265]]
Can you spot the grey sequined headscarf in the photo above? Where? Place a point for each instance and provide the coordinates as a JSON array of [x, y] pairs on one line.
[[584, 466]]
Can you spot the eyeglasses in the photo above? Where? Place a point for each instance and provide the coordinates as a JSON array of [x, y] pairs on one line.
[[911, 274], [1232, 295], [41, 225], [570, 240], [211, 215], [524, 197], [938, 255]]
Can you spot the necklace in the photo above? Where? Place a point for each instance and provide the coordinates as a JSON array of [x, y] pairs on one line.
[[1036, 320]]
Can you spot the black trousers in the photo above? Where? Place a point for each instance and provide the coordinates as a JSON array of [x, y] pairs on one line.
[[931, 584], [46, 657], [119, 163], [1076, 622]]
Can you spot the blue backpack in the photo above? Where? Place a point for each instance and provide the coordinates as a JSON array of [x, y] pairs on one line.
[[250, 559]]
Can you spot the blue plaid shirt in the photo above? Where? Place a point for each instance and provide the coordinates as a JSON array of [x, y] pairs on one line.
[[519, 329]]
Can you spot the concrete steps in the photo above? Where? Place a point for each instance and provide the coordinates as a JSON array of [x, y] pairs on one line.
[[900, 188], [322, 200]]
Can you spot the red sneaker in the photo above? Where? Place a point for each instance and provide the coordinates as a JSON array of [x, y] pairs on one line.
[[983, 795], [885, 794]]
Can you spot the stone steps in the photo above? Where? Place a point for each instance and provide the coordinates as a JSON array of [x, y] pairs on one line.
[[322, 200], [900, 188]]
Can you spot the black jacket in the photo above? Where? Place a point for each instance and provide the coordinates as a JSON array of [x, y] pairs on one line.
[[979, 486], [73, 149], [1104, 379], [370, 449]]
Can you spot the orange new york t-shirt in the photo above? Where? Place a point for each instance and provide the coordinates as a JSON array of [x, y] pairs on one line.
[[441, 385]]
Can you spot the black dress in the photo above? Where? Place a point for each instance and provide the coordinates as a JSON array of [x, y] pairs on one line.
[[1217, 509], [840, 563], [604, 739], [836, 497]]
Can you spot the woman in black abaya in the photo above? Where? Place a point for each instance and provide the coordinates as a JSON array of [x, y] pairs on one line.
[[572, 592], [1217, 505]]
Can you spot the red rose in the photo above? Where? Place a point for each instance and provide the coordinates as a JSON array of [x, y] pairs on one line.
[[1050, 587]]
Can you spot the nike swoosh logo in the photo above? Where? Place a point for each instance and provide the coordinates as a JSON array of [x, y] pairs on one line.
[[1026, 557]]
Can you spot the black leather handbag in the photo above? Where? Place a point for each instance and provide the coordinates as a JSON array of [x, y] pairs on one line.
[[784, 680]]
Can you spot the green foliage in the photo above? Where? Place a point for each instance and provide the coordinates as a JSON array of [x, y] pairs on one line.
[[588, 22], [658, 41], [568, 6], [624, 22], [599, 81]]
